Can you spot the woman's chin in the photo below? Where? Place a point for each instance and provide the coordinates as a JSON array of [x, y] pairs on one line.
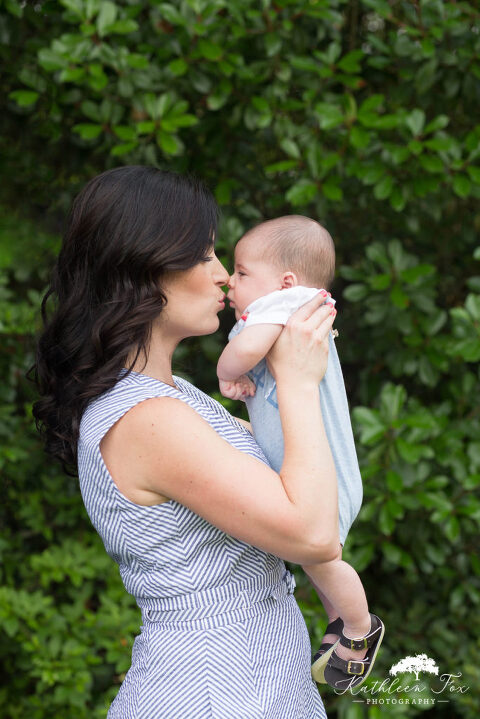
[[206, 328]]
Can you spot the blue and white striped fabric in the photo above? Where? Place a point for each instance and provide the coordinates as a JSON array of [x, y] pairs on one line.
[[222, 634]]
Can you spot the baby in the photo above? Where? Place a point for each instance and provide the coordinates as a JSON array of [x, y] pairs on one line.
[[279, 266]]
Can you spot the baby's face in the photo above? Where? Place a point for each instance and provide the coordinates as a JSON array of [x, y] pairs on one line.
[[252, 278]]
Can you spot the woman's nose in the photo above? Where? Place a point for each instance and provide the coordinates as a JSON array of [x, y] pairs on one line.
[[222, 274]]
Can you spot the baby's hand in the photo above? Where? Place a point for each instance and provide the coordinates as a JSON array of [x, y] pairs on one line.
[[237, 389]]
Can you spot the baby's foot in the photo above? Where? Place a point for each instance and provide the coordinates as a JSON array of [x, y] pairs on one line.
[[329, 642], [353, 657], [357, 632]]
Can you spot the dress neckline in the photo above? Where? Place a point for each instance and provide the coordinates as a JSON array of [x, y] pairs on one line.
[[147, 376]]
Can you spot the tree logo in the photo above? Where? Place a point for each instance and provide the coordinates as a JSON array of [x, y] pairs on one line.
[[418, 663]]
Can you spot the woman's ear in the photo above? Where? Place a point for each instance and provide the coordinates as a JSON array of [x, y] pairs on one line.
[[289, 279]]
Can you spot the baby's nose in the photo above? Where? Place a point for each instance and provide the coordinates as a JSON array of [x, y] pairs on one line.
[[230, 282]]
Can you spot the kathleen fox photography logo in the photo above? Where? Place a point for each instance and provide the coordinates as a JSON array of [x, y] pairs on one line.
[[396, 689]]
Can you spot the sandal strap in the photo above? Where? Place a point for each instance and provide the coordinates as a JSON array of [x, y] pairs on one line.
[[366, 641], [335, 627], [349, 666]]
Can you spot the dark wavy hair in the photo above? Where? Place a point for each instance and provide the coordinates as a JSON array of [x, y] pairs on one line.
[[127, 228]]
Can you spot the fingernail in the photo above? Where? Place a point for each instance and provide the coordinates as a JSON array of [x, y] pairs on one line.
[[323, 293], [333, 312]]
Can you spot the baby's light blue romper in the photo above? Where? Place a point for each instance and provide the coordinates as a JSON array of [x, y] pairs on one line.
[[276, 308], [222, 635]]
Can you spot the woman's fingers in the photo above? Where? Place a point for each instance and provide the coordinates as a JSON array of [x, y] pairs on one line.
[[306, 310], [313, 321], [323, 330]]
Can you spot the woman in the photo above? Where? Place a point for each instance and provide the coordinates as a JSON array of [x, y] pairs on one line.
[[177, 488]]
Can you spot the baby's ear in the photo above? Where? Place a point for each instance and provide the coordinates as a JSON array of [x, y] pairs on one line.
[[289, 279]]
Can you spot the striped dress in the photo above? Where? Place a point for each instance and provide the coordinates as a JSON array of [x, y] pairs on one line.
[[222, 636]]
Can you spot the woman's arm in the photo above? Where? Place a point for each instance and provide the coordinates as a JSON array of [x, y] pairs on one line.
[[162, 447], [246, 349]]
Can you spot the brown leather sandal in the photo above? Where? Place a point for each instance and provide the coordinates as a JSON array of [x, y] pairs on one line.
[[322, 656], [345, 674]]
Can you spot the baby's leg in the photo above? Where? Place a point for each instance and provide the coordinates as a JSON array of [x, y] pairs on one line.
[[342, 594]]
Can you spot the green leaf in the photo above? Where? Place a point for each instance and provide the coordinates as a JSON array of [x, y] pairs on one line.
[[14, 8], [88, 131], [210, 50], [123, 149], [51, 60], [106, 16], [432, 163], [355, 292], [383, 189], [374, 102], [381, 7], [124, 132], [359, 137], [290, 147], [72, 74], [425, 76], [461, 185], [397, 199], [123, 27], [170, 144], [24, 98], [282, 166], [186, 120], [91, 110], [273, 44], [415, 121], [172, 14], [474, 173], [412, 274], [392, 400], [302, 192], [398, 297], [371, 426], [351, 61], [329, 116], [178, 67], [439, 123], [332, 190], [379, 282], [77, 7], [145, 128], [411, 453], [472, 305]]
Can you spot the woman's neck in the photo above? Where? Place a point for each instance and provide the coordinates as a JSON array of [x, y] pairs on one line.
[[159, 360]]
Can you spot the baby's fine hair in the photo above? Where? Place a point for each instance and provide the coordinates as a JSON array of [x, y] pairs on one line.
[[298, 244]]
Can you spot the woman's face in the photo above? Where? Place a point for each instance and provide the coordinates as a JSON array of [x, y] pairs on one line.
[[195, 298]]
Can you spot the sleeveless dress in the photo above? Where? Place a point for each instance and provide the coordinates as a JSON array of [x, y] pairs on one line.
[[222, 636]]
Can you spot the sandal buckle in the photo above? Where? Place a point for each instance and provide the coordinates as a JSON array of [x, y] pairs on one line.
[[357, 644], [352, 665]]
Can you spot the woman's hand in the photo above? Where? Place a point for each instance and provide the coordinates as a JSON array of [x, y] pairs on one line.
[[301, 351]]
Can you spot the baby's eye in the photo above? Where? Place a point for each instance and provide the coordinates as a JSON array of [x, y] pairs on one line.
[[240, 274]]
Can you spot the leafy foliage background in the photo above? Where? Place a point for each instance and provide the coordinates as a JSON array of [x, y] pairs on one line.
[[361, 113]]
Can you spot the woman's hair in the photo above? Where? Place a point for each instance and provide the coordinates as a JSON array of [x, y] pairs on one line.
[[127, 228]]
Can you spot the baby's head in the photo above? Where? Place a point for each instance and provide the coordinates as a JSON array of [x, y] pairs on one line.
[[281, 253]]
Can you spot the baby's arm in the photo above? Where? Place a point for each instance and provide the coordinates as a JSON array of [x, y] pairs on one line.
[[246, 349]]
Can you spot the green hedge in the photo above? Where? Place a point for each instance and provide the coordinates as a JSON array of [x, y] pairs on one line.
[[360, 113]]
